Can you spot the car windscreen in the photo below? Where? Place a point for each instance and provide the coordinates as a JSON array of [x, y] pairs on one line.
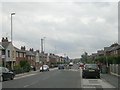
[[91, 66]]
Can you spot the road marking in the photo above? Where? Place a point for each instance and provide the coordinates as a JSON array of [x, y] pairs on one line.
[[31, 84], [94, 83], [26, 86], [24, 76], [97, 83], [53, 69], [75, 70]]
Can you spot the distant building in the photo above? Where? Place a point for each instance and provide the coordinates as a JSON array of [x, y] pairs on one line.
[[30, 56], [113, 50], [100, 53]]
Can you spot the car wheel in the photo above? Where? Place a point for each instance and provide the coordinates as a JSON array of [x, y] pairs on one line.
[[12, 77], [98, 77], [83, 76]]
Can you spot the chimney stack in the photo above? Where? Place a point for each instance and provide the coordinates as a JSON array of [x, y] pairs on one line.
[[22, 48], [31, 49], [4, 39]]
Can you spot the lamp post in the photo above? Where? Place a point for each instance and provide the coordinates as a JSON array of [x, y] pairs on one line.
[[11, 42], [44, 43], [42, 52]]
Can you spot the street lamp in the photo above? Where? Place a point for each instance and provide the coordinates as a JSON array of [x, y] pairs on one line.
[[44, 43], [11, 26], [11, 41], [42, 52]]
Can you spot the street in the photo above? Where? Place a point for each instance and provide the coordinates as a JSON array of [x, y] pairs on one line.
[[68, 78]]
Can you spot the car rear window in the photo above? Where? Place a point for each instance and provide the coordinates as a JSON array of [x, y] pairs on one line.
[[91, 66]]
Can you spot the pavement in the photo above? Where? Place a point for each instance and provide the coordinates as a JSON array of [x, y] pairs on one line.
[[112, 79]]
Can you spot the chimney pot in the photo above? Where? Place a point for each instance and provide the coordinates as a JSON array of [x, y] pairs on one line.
[[3, 39]]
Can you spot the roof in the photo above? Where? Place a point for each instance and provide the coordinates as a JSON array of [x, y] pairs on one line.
[[100, 52], [112, 48], [107, 49], [115, 48], [5, 44], [1, 47], [30, 53], [19, 50]]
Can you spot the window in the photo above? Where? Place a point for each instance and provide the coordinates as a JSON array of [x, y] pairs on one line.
[[6, 70], [16, 54], [3, 52], [8, 53], [13, 54]]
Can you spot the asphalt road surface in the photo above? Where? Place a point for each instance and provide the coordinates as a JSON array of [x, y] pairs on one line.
[[68, 78], [52, 79]]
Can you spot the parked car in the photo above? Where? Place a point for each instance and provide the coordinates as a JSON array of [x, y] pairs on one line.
[[71, 64], [81, 65], [91, 70], [61, 66], [44, 68], [6, 74], [33, 68]]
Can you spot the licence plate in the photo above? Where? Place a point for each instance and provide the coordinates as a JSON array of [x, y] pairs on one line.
[[91, 70]]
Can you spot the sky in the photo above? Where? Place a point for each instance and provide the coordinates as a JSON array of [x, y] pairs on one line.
[[68, 27]]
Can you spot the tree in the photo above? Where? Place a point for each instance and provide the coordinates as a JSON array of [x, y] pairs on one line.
[[25, 65]]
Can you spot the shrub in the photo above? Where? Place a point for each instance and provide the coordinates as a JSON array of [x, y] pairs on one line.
[[24, 66]]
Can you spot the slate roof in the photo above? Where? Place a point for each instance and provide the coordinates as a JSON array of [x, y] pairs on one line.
[[112, 48], [30, 53], [107, 49], [1, 47], [115, 48], [5, 44], [19, 50]]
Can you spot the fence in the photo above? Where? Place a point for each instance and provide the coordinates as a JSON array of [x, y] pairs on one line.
[[115, 69]]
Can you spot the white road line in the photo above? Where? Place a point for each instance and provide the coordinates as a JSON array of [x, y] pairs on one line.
[[31, 84], [24, 76], [26, 86], [53, 69]]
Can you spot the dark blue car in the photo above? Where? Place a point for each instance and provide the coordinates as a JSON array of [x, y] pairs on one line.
[[6, 74], [61, 66]]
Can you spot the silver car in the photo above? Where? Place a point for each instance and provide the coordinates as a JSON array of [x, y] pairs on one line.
[[44, 68]]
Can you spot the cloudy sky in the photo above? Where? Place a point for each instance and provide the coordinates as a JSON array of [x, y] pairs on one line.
[[69, 27]]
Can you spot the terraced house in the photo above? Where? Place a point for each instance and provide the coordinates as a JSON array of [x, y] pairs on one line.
[[9, 51], [2, 55], [12, 56]]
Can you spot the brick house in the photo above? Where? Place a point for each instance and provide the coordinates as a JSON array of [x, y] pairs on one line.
[[37, 59], [30, 56], [113, 50], [20, 54]]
